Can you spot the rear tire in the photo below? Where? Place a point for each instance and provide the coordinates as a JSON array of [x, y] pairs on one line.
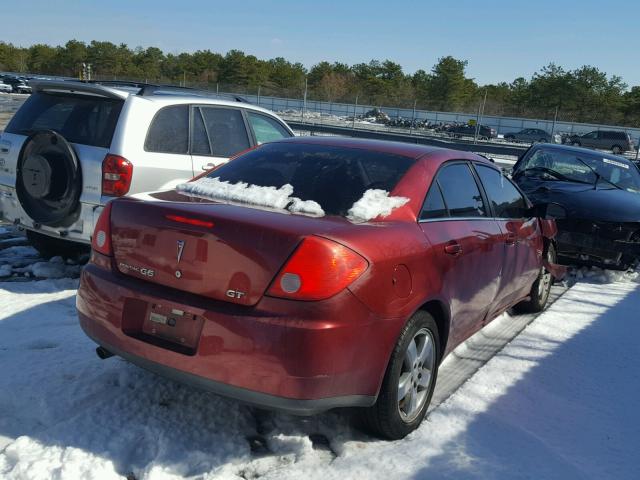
[[412, 370], [541, 287], [55, 247]]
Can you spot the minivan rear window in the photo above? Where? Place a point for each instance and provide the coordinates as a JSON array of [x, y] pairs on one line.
[[83, 119], [332, 176]]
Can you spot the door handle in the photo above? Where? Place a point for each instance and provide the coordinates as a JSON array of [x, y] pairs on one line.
[[453, 248], [208, 166], [512, 238]]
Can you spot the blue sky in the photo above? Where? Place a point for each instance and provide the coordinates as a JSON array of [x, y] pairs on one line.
[[500, 39]]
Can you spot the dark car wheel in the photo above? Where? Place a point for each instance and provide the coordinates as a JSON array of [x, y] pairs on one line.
[[53, 247], [541, 287], [408, 382]]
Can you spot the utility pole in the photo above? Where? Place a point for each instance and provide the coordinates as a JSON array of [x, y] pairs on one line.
[[304, 101], [553, 126], [479, 117], [413, 117], [355, 108]]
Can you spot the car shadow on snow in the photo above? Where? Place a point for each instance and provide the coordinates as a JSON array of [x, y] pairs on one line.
[[73, 410], [558, 402]]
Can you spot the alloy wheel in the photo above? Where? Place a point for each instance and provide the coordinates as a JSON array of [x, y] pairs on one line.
[[416, 375]]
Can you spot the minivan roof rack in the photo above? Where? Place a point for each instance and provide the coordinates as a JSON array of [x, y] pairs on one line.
[[148, 89]]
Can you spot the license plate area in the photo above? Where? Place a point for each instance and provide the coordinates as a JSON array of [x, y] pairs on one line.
[[163, 325]]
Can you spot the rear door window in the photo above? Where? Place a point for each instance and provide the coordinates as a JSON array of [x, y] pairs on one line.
[[83, 119], [506, 200], [226, 130], [169, 131], [434, 206], [266, 129], [460, 191], [200, 140]]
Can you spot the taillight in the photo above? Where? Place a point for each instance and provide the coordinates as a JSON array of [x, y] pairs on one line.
[[116, 175], [101, 240], [318, 269]]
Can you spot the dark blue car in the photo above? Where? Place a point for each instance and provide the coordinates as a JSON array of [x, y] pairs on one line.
[[600, 194]]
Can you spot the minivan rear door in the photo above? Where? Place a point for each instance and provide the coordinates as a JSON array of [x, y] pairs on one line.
[[218, 133], [87, 120]]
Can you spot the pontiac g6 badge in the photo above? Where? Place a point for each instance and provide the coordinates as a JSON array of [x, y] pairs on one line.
[[180, 250]]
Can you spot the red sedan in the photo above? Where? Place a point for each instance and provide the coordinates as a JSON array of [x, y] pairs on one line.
[[315, 273]]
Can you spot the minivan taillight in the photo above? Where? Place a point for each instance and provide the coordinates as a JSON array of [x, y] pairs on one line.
[[318, 269], [116, 175], [101, 240]]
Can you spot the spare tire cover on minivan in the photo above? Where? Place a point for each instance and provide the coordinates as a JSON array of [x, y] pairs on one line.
[[48, 180]]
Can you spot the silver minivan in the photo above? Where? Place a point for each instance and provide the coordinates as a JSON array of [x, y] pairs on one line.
[[73, 146], [617, 141]]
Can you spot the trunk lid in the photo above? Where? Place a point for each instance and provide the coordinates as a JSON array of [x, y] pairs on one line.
[[233, 260]]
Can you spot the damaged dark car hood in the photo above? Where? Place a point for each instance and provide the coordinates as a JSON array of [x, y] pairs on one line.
[[581, 200]]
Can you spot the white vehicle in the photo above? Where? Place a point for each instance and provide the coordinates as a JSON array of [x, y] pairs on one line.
[[4, 88], [73, 146]]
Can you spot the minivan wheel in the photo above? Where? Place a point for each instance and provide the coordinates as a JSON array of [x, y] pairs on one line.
[[56, 247], [617, 149], [541, 287], [409, 380]]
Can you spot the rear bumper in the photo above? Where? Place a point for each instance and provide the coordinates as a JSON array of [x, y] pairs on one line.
[[297, 357], [272, 402], [80, 231]]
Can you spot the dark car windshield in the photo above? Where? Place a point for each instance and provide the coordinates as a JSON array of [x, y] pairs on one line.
[[83, 119], [574, 166], [334, 177]]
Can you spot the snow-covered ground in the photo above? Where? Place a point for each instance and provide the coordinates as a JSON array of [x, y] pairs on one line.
[[559, 401], [20, 262]]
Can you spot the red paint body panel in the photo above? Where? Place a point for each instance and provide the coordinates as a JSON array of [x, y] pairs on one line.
[[281, 347], [337, 347]]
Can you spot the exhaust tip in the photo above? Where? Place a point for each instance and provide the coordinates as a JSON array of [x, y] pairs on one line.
[[103, 353]]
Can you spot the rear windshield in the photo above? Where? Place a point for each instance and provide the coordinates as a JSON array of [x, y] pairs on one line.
[[334, 177], [87, 120]]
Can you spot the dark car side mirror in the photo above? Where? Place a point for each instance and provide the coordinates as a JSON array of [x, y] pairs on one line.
[[548, 211], [555, 211]]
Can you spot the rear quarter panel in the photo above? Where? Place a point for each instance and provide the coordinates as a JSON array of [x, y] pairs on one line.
[[151, 171], [10, 146]]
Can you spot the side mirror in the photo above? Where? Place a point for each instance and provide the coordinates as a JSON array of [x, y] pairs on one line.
[[548, 211], [555, 211]]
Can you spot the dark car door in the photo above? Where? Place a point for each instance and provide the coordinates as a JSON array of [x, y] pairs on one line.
[[467, 244], [521, 235]]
